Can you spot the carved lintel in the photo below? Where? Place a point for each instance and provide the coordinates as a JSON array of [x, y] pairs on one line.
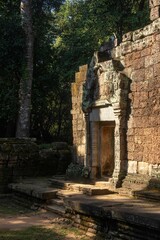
[[101, 103]]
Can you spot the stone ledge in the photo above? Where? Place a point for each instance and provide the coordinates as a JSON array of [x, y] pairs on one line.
[[39, 192], [124, 209]]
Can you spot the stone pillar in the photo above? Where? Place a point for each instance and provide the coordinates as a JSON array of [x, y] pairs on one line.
[[120, 152], [87, 132], [94, 149], [154, 9]]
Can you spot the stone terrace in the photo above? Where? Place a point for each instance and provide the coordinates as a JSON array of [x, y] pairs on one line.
[[94, 207]]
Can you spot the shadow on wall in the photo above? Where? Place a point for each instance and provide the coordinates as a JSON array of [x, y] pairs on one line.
[[24, 158]]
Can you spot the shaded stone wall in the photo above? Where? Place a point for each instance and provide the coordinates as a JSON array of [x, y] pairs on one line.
[[78, 119], [21, 158], [130, 82], [17, 158], [124, 226]]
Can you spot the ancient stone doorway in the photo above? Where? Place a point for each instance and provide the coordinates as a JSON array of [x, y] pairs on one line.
[[102, 132], [106, 148]]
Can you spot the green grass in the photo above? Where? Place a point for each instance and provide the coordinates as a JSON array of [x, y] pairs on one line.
[[55, 231], [33, 233], [40, 233]]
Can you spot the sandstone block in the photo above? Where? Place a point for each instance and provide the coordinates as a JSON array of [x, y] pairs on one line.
[[155, 13], [149, 74], [158, 37], [142, 43], [132, 167], [156, 47], [143, 168], [138, 75], [138, 156], [157, 69], [139, 132], [83, 68], [74, 89], [131, 146], [148, 30], [81, 150], [156, 26], [142, 87], [138, 63], [154, 3], [127, 37], [83, 75], [149, 61], [156, 57], [134, 87], [126, 47], [146, 52], [128, 60], [130, 131], [138, 34]]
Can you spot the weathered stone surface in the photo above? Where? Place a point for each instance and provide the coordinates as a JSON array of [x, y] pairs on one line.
[[132, 167], [112, 215], [154, 3], [23, 157], [136, 109], [127, 36], [155, 13]]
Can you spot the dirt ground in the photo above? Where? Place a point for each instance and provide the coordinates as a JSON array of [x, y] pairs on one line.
[[16, 218], [21, 221]]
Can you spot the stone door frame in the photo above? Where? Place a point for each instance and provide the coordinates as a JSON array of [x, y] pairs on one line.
[[120, 107]]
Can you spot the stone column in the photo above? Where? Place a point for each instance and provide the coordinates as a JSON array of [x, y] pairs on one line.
[[94, 149], [120, 146], [87, 155], [154, 9]]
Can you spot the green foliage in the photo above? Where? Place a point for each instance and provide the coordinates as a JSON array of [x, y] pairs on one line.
[[11, 58], [66, 34], [77, 171]]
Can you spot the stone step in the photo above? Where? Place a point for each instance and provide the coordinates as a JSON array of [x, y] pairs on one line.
[[56, 201], [134, 186], [102, 183], [90, 189], [136, 179], [35, 191], [125, 191], [59, 183], [84, 190], [60, 210], [96, 191], [153, 195], [98, 188], [62, 194]]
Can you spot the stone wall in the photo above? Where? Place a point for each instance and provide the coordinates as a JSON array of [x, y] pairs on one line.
[[21, 158], [140, 54], [17, 159], [115, 225], [78, 119], [130, 83]]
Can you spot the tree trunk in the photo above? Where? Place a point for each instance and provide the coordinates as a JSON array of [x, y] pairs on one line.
[[23, 123]]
